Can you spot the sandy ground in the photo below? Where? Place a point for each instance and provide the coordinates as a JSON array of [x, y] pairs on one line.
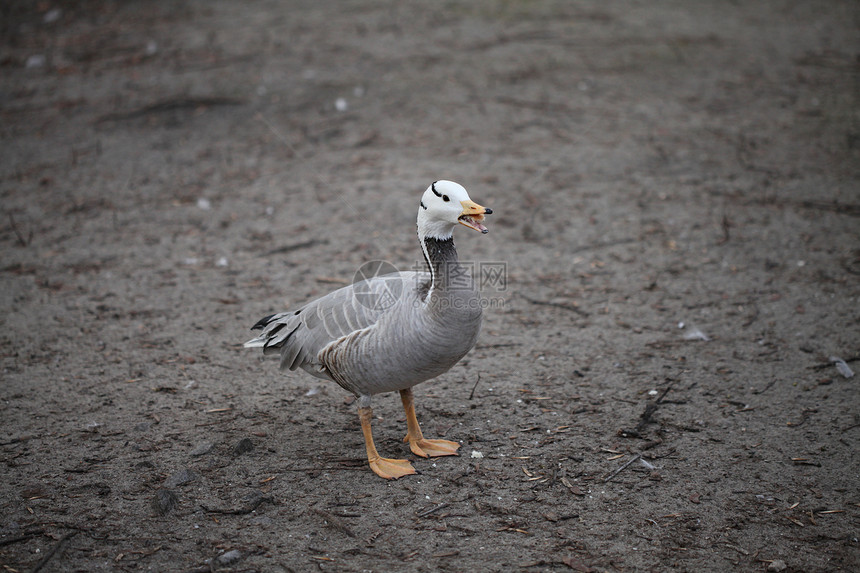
[[676, 195]]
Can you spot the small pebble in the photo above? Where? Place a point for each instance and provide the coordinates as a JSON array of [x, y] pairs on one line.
[[777, 565], [164, 501], [181, 477], [35, 61], [230, 557], [244, 446], [202, 449], [52, 16]]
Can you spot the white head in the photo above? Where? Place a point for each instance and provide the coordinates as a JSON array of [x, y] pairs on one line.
[[445, 204]]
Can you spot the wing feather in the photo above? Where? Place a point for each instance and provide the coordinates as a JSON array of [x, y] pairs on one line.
[[300, 335]]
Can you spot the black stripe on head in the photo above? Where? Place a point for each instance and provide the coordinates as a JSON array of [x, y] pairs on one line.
[[433, 187], [423, 205]]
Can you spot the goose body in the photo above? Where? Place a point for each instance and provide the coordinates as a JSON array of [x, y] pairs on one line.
[[393, 331]]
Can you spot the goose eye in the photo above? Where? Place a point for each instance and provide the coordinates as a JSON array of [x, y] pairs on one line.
[[445, 198]]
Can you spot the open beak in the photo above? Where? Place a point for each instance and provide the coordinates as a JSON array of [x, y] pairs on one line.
[[473, 215]]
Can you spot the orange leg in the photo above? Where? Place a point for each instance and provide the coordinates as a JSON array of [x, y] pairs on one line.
[[417, 443], [386, 468]]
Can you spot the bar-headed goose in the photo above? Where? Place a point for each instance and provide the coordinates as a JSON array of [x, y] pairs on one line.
[[391, 332]]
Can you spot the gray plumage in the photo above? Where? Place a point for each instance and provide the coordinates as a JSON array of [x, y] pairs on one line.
[[393, 331], [382, 334]]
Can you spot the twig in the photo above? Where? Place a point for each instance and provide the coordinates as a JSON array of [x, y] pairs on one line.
[[295, 247], [360, 466], [663, 395], [570, 307], [501, 345], [472, 394], [766, 387], [331, 281], [433, 509], [619, 470], [834, 207], [335, 522], [645, 418], [726, 226], [57, 548], [170, 105]]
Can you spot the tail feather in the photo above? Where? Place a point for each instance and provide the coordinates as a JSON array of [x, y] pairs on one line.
[[258, 342], [265, 337], [290, 353], [261, 324], [277, 337]]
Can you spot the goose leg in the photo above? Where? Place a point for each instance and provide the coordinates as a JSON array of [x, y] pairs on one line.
[[386, 468], [417, 443]]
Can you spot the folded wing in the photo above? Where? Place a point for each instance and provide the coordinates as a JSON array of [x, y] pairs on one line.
[[300, 335]]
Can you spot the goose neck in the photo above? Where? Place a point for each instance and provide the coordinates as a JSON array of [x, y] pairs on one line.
[[441, 257]]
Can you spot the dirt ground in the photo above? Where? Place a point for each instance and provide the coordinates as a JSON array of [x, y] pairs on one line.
[[676, 256]]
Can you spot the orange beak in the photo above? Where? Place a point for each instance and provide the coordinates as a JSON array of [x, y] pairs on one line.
[[473, 215]]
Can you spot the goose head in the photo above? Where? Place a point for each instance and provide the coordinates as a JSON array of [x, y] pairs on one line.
[[444, 205]]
